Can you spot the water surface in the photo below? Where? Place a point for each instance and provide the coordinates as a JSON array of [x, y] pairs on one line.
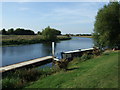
[[16, 54]]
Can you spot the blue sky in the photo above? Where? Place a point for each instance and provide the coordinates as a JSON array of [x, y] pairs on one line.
[[69, 17]]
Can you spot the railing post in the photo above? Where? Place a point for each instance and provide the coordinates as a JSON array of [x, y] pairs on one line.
[[53, 49]]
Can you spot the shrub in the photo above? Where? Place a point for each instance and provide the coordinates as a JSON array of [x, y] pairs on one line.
[[96, 51], [28, 75], [86, 56], [47, 71], [12, 83], [62, 64], [21, 77]]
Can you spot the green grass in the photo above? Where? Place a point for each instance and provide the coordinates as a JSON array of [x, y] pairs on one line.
[[100, 72], [22, 77]]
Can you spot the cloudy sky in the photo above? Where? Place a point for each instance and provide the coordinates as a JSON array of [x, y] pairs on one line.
[[69, 17]]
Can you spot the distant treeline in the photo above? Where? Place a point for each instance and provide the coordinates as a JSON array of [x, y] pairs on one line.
[[78, 34], [22, 36], [21, 31], [83, 35], [18, 31]]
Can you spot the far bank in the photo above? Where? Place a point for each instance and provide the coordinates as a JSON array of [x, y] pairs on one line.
[[13, 40], [84, 36]]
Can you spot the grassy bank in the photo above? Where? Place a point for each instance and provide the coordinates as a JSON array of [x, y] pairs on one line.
[[22, 77], [26, 39], [99, 72]]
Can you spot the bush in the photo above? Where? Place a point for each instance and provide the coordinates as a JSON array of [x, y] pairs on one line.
[[20, 78], [86, 56], [47, 71], [96, 51], [28, 75], [12, 83], [62, 64]]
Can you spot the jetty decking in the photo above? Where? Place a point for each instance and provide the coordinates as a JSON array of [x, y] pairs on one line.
[[25, 63], [43, 60], [75, 53]]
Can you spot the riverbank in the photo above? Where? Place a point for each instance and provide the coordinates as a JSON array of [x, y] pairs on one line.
[[99, 72], [85, 36], [13, 40]]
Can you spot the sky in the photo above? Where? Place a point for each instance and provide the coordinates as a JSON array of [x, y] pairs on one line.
[[68, 17]]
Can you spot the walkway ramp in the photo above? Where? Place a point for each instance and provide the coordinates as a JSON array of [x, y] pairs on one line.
[[25, 63]]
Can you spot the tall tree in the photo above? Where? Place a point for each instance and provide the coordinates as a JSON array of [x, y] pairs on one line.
[[10, 31], [57, 32], [106, 27], [4, 32], [39, 33], [49, 34]]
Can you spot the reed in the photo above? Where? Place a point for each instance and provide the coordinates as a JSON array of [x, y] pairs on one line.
[[26, 39]]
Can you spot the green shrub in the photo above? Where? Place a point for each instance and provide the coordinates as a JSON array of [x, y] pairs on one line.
[[96, 51], [12, 83], [47, 71], [62, 64], [28, 75], [86, 56]]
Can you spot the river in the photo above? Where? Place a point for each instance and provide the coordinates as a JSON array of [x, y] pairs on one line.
[[16, 54]]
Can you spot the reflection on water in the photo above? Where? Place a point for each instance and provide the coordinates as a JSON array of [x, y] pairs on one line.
[[15, 54]]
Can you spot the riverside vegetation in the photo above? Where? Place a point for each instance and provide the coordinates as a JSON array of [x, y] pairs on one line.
[[88, 71], [22, 36], [27, 39], [98, 72]]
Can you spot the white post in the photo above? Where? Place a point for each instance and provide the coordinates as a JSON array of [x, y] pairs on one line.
[[53, 50]]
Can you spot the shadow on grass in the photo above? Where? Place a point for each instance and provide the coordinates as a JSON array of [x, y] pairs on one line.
[[72, 69]]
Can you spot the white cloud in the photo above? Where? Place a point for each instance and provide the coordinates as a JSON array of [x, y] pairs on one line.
[[69, 16]]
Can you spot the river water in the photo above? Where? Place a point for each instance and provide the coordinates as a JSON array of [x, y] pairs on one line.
[[16, 54]]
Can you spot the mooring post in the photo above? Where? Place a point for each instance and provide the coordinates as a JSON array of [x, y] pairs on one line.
[[53, 49]]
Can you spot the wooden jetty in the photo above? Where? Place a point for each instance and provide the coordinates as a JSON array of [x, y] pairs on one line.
[[43, 60], [29, 63], [71, 54]]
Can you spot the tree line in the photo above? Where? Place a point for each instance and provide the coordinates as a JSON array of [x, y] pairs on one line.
[[18, 31], [78, 35], [21, 31], [83, 34]]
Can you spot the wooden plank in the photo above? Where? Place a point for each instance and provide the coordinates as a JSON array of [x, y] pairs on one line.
[[75, 51], [87, 49], [25, 63]]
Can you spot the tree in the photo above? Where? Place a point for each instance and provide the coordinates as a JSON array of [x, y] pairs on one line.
[[10, 31], [106, 27], [57, 32], [4, 32], [39, 33], [49, 34], [20, 31]]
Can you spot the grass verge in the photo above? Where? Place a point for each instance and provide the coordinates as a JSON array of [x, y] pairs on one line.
[[22, 77], [99, 72]]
